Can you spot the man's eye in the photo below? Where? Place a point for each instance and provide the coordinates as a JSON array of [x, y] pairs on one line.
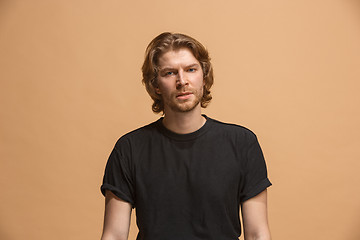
[[169, 73], [191, 70]]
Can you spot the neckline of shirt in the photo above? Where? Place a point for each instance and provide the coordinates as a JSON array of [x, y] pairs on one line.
[[187, 136]]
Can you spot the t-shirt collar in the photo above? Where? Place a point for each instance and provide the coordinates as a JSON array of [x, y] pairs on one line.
[[187, 136]]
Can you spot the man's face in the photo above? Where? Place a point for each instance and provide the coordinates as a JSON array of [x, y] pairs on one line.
[[180, 81]]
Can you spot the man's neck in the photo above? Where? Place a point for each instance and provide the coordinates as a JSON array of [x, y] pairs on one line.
[[184, 122]]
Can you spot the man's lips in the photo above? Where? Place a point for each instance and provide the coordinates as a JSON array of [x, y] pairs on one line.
[[184, 95]]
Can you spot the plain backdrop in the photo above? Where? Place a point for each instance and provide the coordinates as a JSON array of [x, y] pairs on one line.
[[71, 86]]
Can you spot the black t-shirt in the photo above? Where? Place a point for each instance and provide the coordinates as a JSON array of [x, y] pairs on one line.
[[187, 186]]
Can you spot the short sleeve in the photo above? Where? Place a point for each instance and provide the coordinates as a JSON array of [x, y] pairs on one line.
[[255, 171], [118, 175]]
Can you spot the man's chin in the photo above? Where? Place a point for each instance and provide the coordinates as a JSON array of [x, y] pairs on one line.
[[184, 107]]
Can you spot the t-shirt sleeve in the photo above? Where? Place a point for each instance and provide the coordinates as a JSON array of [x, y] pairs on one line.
[[255, 178], [118, 175]]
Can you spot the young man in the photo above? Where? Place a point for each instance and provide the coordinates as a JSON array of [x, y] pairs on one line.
[[186, 174]]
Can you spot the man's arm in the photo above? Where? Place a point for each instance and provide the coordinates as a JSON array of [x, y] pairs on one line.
[[255, 220], [116, 219]]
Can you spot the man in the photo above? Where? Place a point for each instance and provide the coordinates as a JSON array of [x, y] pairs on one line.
[[186, 174]]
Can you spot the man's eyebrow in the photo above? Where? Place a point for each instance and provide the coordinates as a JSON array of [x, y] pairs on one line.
[[171, 68], [166, 69], [193, 65]]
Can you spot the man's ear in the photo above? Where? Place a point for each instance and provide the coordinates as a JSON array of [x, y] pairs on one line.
[[156, 86]]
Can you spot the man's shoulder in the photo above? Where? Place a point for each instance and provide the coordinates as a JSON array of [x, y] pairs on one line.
[[142, 130], [232, 129], [231, 126], [140, 133]]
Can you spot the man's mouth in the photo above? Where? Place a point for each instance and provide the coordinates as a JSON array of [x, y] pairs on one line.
[[184, 95]]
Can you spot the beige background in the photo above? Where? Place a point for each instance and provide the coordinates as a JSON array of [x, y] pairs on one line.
[[70, 86]]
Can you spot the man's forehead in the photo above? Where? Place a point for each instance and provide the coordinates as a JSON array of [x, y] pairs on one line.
[[182, 56]]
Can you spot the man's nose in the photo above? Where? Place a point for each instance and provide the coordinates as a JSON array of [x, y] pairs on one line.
[[181, 79]]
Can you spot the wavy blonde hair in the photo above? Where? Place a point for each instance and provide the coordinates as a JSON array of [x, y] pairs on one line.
[[173, 41]]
